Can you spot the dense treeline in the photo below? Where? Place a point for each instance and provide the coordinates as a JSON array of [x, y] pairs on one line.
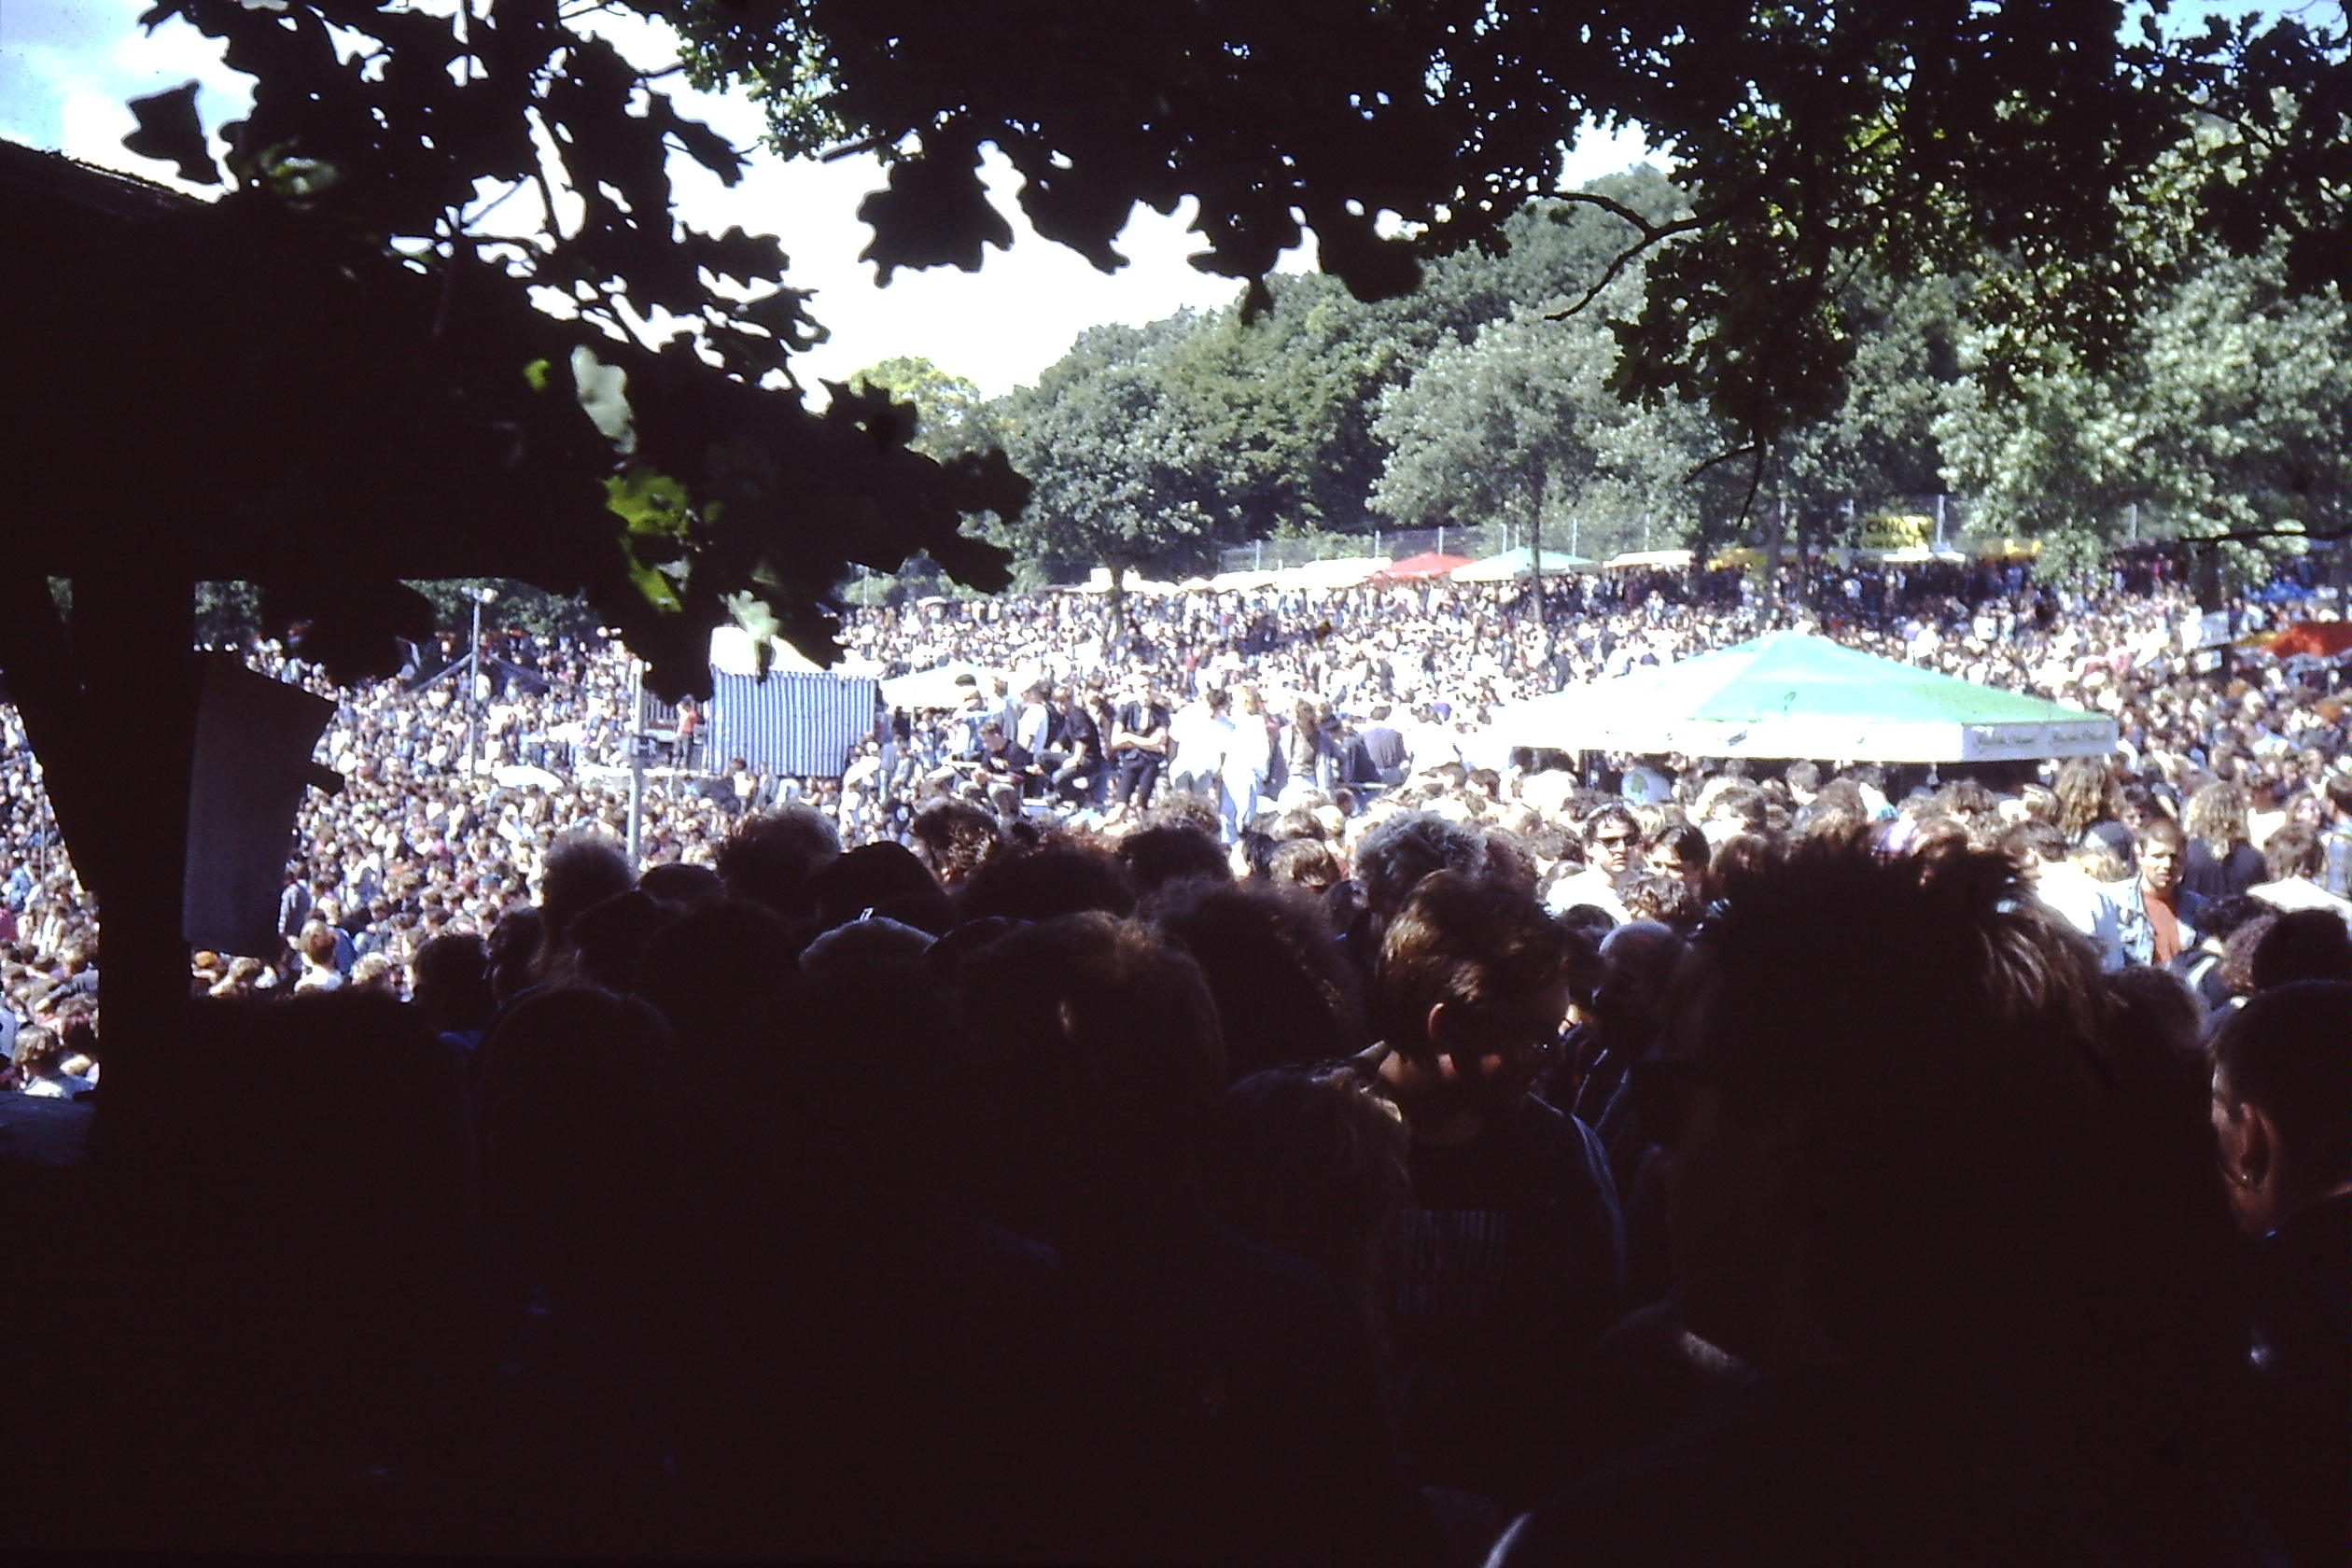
[[1484, 398]]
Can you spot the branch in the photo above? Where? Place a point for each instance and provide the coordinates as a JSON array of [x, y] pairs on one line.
[[1753, 449], [2250, 535], [1653, 234]]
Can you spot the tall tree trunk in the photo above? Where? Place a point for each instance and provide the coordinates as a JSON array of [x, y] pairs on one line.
[[1536, 550], [132, 630]]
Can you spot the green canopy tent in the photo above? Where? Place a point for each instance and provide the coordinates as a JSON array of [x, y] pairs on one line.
[[1790, 694], [1514, 564]]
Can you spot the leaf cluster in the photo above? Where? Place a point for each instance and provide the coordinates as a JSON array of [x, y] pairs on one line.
[[446, 322]]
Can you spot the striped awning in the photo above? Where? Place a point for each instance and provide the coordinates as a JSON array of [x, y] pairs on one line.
[[797, 723]]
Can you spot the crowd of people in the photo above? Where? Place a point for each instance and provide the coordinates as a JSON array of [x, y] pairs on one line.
[[1374, 1152], [1088, 713]]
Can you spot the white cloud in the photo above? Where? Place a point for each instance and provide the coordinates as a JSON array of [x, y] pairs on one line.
[[68, 69]]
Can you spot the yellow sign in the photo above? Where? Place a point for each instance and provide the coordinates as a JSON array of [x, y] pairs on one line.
[[1896, 533]]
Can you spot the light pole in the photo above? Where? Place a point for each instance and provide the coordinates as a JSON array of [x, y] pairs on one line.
[[474, 675], [637, 743]]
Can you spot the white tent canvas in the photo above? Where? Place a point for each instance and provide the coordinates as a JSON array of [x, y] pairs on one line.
[[1789, 695], [935, 688]]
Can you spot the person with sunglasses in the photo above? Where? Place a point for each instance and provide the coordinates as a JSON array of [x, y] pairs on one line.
[[1613, 854], [1510, 1258]]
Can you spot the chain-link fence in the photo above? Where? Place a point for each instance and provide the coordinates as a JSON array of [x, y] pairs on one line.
[[1933, 521], [1475, 541]]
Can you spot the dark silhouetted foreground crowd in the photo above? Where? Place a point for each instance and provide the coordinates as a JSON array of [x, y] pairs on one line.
[[1048, 1199]]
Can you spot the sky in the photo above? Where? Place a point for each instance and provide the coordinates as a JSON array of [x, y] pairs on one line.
[[67, 67]]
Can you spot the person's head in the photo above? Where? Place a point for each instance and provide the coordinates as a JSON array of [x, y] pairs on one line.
[[1061, 878], [1880, 1089], [450, 981], [1284, 989], [1097, 1063], [2302, 944], [2217, 815], [2135, 806], [885, 878], [1612, 836], [2293, 849], [609, 939], [318, 944], [2034, 844], [1743, 805], [1676, 848], [2339, 796], [570, 1128], [1167, 852], [1308, 1164], [373, 971], [718, 976], [514, 940], [581, 869], [769, 858], [2282, 1100], [37, 1052], [2161, 848], [1306, 862], [1655, 896], [690, 887], [1394, 856], [2083, 794], [1470, 991], [1637, 962], [954, 838]]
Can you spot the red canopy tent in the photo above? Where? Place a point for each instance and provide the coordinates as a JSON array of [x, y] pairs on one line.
[[2322, 639], [1427, 563]]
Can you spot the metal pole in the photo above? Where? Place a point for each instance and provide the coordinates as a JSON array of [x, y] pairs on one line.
[[473, 685], [636, 766]]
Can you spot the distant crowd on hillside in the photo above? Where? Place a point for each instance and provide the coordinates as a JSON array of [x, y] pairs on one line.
[[1256, 708]]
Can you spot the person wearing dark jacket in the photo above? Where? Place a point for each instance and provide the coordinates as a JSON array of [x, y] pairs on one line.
[[1217, 1404], [1510, 1259], [2282, 1106], [1960, 1229]]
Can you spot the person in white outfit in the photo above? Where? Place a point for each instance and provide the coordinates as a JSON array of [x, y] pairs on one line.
[[1201, 734]]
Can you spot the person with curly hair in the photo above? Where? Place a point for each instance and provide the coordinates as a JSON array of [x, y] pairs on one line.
[[2221, 861]]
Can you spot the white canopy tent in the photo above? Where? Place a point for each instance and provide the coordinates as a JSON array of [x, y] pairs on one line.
[[1655, 560], [1790, 694], [936, 688]]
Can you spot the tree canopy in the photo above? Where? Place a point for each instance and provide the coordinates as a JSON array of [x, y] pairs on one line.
[[1811, 139]]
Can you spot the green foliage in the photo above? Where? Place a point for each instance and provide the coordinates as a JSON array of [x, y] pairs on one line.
[[1119, 475], [951, 416], [1501, 425], [1813, 141], [340, 375], [2226, 418]]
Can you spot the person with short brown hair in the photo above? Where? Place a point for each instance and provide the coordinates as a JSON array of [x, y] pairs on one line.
[[1511, 1258]]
